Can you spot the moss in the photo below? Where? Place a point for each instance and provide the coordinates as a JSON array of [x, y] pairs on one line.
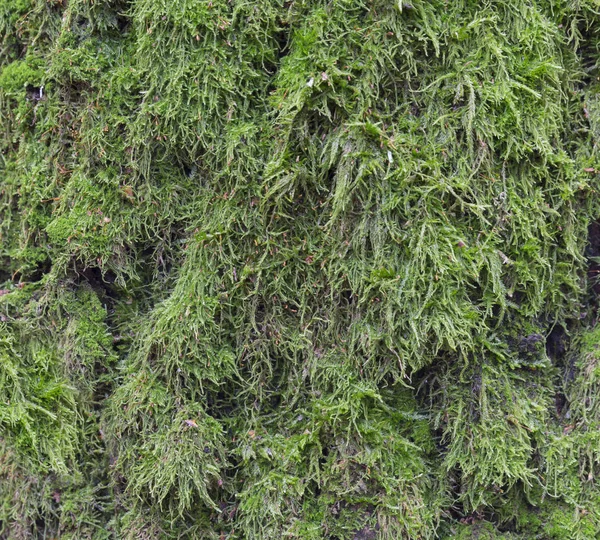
[[319, 269], [481, 530], [17, 76]]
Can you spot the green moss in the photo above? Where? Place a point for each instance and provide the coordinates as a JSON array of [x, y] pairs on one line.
[[15, 77], [481, 530], [320, 269]]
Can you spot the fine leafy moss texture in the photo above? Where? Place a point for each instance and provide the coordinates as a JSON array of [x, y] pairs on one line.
[[306, 269]]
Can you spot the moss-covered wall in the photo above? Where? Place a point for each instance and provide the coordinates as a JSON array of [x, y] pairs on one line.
[[299, 269]]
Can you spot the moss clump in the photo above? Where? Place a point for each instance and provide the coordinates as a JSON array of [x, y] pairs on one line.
[[318, 269], [15, 77]]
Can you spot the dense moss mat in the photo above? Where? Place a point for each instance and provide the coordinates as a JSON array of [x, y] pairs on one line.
[[299, 269]]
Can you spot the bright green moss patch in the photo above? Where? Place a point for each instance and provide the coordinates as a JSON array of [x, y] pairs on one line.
[[15, 77], [316, 269]]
